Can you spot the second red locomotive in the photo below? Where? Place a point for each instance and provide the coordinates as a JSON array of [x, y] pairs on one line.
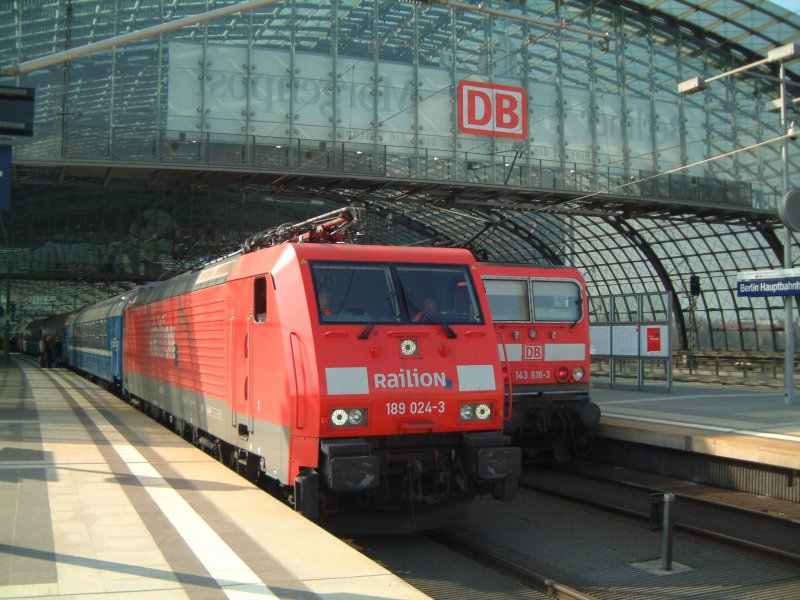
[[541, 317]]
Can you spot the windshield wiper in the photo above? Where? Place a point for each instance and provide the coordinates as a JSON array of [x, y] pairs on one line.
[[367, 329], [390, 298], [447, 329], [579, 303], [442, 323]]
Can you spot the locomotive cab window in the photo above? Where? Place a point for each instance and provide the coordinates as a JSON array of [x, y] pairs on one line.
[[354, 292], [394, 293], [260, 299], [439, 293], [532, 301], [556, 301], [508, 299]]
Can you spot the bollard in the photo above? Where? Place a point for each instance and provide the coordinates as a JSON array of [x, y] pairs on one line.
[[656, 521], [662, 517], [666, 540]]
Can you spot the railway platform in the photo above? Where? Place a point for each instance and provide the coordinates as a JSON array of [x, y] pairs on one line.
[[97, 500], [745, 423], [614, 556]]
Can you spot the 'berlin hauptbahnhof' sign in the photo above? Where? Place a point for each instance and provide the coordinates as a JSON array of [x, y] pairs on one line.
[[776, 282]]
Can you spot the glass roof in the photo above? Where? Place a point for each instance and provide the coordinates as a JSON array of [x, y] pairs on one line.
[[756, 25], [30, 30]]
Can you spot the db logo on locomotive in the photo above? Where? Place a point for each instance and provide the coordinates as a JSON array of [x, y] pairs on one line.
[[533, 353]]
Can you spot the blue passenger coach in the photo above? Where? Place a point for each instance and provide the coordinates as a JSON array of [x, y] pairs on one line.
[[95, 339]]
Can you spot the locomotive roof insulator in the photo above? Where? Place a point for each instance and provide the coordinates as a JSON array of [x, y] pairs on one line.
[[330, 228]]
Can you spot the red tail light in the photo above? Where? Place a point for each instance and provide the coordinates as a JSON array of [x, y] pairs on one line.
[[562, 374]]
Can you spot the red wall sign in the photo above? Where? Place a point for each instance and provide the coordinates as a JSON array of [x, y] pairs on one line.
[[654, 339], [492, 109]]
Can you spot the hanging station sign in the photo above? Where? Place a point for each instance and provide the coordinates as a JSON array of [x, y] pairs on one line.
[[773, 282]]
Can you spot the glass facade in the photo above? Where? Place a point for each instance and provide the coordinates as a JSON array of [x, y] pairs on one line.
[[373, 86], [394, 91]]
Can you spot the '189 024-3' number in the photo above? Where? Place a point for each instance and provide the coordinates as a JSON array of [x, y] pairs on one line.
[[418, 407]]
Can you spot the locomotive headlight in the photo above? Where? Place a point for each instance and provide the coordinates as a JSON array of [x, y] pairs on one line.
[[352, 417], [475, 412], [356, 416], [578, 373], [339, 417], [483, 411]]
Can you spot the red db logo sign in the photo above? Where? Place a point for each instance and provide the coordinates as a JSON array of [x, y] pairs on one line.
[[491, 109]]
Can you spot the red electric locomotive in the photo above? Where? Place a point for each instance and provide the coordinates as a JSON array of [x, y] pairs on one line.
[[543, 327], [349, 375]]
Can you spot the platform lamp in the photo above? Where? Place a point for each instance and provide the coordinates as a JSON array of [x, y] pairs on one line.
[[791, 199]]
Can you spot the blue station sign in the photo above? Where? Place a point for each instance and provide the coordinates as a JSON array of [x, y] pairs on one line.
[[774, 282]]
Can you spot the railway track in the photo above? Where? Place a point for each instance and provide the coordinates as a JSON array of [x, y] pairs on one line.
[[509, 565], [555, 543], [753, 522], [445, 564]]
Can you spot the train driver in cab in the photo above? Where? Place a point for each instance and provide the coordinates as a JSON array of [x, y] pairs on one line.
[[324, 298], [429, 312]]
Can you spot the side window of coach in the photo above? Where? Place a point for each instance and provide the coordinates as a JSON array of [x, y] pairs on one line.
[[260, 299]]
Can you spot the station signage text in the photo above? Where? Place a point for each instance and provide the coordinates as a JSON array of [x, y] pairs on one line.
[[775, 282]]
